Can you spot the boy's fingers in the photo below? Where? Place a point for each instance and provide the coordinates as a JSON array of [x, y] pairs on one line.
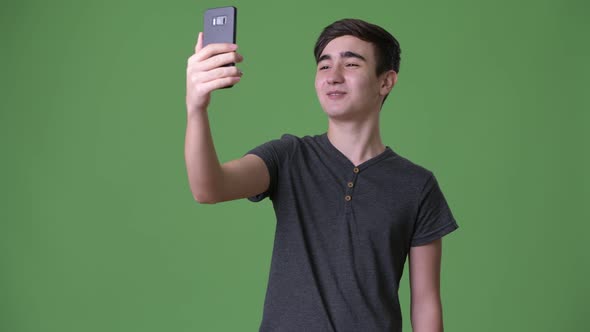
[[199, 42], [217, 61], [214, 49]]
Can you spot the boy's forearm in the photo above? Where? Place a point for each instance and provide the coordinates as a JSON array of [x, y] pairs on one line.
[[202, 164], [427, 316]]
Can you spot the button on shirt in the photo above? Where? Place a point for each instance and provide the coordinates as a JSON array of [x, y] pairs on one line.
[[343, 233]]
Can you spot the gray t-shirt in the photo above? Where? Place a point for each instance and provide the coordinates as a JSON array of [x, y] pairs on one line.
[[343, 234]]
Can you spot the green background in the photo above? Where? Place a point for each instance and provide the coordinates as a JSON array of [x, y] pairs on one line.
[[99, 230]]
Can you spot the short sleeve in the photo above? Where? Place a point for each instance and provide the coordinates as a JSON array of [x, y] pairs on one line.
[[434, 219], [273, 153]]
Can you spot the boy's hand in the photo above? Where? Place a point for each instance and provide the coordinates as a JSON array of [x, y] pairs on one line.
[[205, 72]]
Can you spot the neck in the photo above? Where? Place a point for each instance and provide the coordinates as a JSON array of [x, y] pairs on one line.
[[358, 140]]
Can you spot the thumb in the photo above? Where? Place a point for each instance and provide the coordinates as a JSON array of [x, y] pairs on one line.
[[199, 45]]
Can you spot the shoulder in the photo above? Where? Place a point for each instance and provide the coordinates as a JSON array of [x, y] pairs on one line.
[[406, 173], [285, 147], [410, 168], [307, 139], [295, 142], [285, 142]]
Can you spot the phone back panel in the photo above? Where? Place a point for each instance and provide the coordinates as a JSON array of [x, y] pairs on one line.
[[220, 25]]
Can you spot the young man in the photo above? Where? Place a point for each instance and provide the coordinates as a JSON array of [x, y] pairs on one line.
[[349, 209]]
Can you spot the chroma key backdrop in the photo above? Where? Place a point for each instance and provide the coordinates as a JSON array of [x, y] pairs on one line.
[[99, 230]]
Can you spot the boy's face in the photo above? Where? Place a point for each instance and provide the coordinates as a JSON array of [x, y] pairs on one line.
[[346, 81]]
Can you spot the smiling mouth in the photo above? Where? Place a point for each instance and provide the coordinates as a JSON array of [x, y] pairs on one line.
[[336, 93]]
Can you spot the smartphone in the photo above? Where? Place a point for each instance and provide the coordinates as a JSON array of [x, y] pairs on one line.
[[220, 25]]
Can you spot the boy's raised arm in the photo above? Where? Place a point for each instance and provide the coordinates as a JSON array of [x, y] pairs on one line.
[[211, 182]]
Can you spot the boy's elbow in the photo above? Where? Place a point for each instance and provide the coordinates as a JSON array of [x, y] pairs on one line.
[[204, 201], [208, 192], [205, 197]]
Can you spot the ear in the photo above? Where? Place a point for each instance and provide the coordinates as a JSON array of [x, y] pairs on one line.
[[388, 80]]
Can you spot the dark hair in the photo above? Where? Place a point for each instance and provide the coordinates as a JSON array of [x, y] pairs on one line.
[[387, 48]]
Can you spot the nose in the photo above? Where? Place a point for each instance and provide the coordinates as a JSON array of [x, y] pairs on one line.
[[335, 76]]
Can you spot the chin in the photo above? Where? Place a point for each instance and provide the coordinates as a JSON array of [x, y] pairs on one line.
[[339, 113]]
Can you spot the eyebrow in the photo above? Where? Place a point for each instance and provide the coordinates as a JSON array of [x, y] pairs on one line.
[[347, 54]]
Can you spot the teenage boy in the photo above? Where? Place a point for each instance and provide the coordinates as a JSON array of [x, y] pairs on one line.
[[349, 209]]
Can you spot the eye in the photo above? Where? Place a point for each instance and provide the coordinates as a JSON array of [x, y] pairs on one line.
[[323, 67], [352, 65]]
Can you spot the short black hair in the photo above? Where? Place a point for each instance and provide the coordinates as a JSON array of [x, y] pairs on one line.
[[387, 48]]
